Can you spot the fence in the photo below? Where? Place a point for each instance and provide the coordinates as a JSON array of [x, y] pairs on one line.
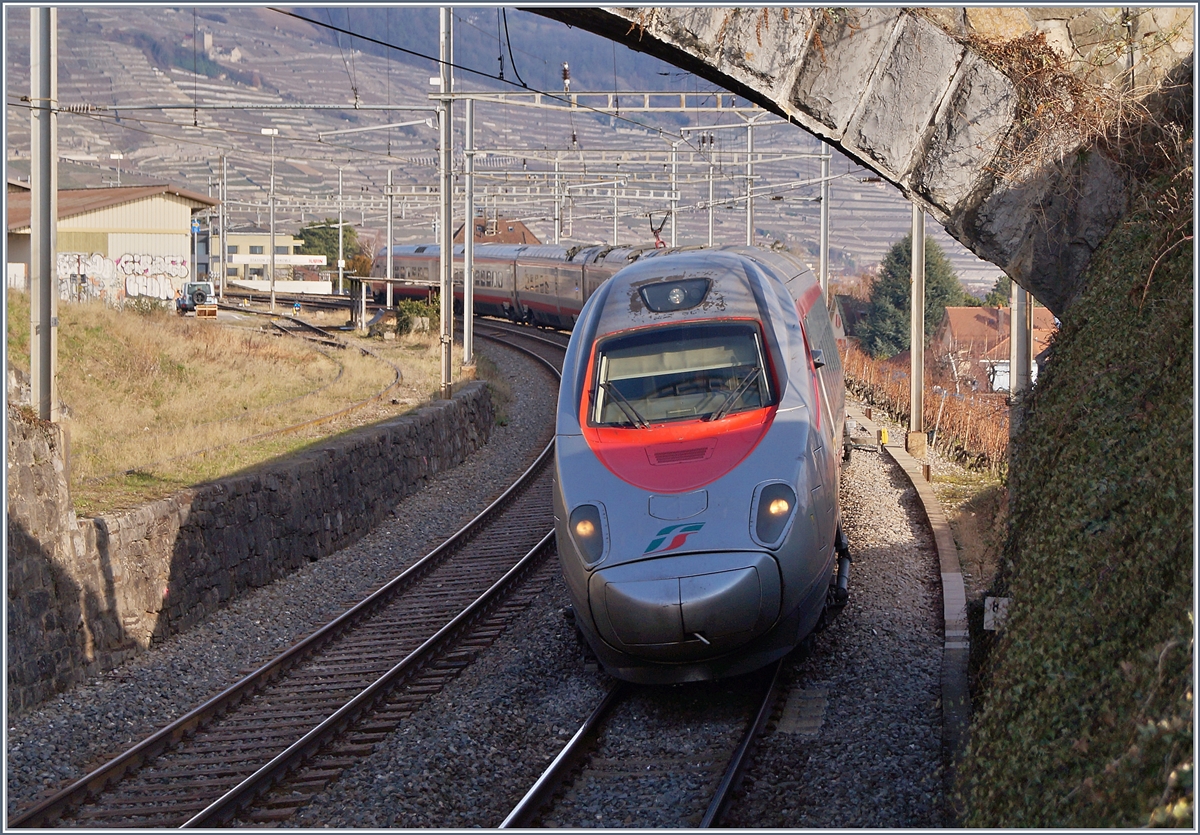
[[971, 427]]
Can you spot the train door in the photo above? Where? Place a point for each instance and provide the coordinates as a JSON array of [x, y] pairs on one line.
[[570, 295], [507, 278]]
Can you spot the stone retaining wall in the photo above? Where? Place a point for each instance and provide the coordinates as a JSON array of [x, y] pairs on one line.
[[85, 595]]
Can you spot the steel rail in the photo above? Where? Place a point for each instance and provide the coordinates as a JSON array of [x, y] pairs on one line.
[[262, 780], [741, 757], [48, 809], [572, 753]]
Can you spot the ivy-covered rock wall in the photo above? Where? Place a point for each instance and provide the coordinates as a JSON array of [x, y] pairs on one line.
[[1086, 717]]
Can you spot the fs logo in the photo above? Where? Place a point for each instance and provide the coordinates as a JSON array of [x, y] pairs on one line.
[[681, 533]]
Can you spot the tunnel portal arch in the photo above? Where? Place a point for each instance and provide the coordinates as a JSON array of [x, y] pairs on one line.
[[907, 93]]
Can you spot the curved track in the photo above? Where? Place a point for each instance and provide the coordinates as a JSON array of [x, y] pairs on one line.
[[324, 699], [593, 764]]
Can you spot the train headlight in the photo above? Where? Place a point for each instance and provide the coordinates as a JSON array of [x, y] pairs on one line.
[[773, 510], [587, 530]]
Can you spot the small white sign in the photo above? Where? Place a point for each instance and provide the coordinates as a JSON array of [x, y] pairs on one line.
[[280, 260], [995, 612]]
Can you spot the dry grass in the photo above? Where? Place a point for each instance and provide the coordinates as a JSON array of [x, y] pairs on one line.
[[156, 402]]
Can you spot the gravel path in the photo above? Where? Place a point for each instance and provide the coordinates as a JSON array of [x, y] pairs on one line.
[[875, 758], [81, 728]]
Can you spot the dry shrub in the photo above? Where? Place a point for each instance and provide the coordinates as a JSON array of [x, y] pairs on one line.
[[972, 427], [1062, 109]]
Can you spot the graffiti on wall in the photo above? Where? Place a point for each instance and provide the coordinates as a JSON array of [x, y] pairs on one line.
[[84, 276]]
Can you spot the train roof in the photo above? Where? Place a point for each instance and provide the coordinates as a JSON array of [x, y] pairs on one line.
[[730, 291]]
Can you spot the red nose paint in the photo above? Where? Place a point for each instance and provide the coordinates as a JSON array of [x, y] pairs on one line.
[[675, 456]]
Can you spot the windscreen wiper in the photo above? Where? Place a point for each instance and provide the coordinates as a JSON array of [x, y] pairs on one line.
[[625, 406], [741, 389]]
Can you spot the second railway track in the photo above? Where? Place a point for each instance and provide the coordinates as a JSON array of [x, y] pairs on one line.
[[337, 691]]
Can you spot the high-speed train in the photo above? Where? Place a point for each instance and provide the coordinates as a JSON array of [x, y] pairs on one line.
[[699, 441], [539, 284], [698, 453]]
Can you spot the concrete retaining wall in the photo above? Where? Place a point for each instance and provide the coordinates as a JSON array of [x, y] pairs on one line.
[[86, 595]]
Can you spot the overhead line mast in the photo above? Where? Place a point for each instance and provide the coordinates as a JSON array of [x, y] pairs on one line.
[[445, 233]]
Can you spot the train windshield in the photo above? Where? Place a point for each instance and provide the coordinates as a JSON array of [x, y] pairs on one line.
[[680, 372]]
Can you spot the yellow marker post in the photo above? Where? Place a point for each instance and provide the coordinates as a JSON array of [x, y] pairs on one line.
[[883, 439]]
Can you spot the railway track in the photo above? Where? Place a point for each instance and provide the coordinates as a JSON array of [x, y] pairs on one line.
[[295, 722], [599, 768]]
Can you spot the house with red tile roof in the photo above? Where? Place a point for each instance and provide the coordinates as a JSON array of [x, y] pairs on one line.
[[971, 344]]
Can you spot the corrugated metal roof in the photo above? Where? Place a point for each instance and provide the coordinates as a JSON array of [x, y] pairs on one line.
[[79, 201]]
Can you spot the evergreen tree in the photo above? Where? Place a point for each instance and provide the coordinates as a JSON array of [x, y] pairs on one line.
[[322, 239], [1001, 293], [884, 331]]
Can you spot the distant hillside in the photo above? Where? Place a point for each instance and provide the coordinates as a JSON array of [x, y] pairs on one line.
[[479, 43]]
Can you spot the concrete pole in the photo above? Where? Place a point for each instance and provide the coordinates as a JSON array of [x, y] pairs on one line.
[[615, 215], [710, 204], [825, 221], [43, 204], [749, 184], [362, 308], [341, 255], [446, 254], [674, 192], [388, 258], [274, 131], [557, 205], [223, 226], [469, 239], [916, 395], [1019, 351]]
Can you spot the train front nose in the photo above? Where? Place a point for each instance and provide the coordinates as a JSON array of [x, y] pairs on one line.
[[686, 607]]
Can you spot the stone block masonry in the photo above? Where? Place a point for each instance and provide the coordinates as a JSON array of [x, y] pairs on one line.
[[86, 595]]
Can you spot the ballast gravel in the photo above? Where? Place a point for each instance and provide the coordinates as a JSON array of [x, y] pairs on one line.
[[864, 750], [870, 757], [81, 728]]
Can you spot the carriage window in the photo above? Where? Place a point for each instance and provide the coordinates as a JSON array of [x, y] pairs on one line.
[[680, 373]]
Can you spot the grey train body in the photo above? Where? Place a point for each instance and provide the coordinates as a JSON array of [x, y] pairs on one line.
[[726, 600], [695, 580]]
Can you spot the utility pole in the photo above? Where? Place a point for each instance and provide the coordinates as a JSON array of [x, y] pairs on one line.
[[749, 184], [43, 204], [710, 201], [221, 223], [469, 238], [615, 215], [825, 154], [341, 254], [557, 204], [1020, 342], [447, 195], [916, 387], [674, 191], [388, 258], [272, 132]]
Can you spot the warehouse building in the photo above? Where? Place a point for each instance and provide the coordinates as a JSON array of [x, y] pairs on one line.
[[113, 243]]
